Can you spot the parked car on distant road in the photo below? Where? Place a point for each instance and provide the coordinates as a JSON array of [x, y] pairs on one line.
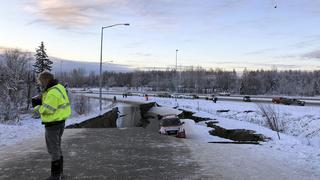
[[172, 126], [179, 96], [164, 94], [194, 96], [212, 98], [246, 99], [224, 94], [128, 93], [141, 94], [287, 101], [186, 96], [277, 100], [298, 102]]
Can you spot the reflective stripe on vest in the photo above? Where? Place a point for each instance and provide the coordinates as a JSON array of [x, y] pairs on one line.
[[49, 107], [54, 109]]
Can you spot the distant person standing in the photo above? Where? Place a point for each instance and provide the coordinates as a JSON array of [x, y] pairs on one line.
[[54, 108], [147, 97], [215, 99]]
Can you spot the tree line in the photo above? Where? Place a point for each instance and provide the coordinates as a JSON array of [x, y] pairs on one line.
[[200, 80]]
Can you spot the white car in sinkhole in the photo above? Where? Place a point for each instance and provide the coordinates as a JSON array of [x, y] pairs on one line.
[[172, 126]]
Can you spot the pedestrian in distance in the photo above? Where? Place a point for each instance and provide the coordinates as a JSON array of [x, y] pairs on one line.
[[54, 108], [215, 99]]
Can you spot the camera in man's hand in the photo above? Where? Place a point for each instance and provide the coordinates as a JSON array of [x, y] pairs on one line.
[[36, 100]]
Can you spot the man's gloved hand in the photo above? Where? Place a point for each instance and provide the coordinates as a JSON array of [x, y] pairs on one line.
[[36, 100]]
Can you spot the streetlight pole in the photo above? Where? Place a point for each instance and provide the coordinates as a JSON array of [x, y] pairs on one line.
[[176, 74], [176, 59], [177, 81], [100, 77]]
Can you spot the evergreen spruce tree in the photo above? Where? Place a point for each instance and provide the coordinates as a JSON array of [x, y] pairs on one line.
[[42, 61]]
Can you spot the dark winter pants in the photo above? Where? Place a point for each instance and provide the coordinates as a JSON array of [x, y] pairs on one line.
[[53, 140]]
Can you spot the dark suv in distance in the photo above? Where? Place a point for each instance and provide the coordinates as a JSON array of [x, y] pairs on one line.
[[164, 95], [194, 96], [246, 99], [298, 102]]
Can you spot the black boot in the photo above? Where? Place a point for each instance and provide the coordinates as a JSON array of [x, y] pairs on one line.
[[61, 165], [55, 170]]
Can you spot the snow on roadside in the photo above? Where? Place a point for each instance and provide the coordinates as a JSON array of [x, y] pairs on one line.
[[164, 111], [29, 127], [199, 132], [12, 134]]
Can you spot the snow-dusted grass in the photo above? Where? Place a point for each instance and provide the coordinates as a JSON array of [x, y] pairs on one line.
[[28, 128]]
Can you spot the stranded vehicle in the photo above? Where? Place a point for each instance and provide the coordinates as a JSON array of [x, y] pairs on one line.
[[172, 126]]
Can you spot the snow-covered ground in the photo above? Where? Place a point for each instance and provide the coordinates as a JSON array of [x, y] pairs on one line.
[[300, 138], [29, 127]]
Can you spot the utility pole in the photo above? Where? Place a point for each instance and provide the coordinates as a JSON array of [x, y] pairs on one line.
[[100, 77], [176, 59], [176, 75]]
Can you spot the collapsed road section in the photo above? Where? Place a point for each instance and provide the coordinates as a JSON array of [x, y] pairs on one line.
[[124, 115], [135, 114]]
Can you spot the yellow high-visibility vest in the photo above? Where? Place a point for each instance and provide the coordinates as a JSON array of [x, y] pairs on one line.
[[55, 105]]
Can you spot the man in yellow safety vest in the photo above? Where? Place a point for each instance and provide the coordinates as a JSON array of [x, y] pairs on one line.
[[54, 108]]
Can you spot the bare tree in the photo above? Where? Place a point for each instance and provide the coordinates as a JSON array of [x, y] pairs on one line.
[[271, 116], [81, 104], [13, 84]]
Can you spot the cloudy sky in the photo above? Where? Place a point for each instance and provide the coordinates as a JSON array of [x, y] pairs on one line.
[[211, 33]]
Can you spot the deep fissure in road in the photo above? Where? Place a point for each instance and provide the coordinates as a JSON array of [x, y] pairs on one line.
[[239, 136], [125, 115]]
